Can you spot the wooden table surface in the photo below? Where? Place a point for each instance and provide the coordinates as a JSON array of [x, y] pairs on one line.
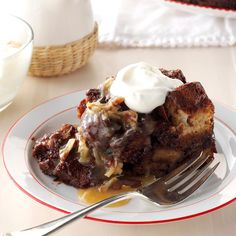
[[215, 68]]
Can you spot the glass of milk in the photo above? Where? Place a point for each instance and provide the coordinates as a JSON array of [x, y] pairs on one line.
[[16, 45]]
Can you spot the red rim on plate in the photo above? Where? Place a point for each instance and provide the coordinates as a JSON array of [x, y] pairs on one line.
[[200, 6], [98, 219]]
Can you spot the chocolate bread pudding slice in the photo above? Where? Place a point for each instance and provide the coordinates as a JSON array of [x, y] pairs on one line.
[[115, 145]]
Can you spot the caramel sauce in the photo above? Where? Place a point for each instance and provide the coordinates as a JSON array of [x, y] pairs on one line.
[[93, 195]]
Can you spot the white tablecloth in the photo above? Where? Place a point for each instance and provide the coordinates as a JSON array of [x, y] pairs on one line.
[[150, 23]]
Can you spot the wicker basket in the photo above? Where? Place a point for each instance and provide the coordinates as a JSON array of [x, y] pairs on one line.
[[59, 60]]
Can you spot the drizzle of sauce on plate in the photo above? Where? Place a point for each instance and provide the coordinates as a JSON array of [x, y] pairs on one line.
[[95, 194]]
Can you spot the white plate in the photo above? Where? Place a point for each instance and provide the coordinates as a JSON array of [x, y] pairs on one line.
[[218, 12], [217, 192]]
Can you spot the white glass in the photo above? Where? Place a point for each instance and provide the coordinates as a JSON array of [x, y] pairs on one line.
[[16, 45]]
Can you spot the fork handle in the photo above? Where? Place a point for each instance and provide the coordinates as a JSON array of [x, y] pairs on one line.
[[54, 225]]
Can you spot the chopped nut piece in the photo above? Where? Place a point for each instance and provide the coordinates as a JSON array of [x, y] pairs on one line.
[[64, 152], [82, 149], [115, 169], [107, 185]]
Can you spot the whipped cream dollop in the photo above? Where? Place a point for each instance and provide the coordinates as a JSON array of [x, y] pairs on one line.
[[142, 86]]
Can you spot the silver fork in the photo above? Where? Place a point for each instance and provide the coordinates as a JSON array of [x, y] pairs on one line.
[[169, 190]]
